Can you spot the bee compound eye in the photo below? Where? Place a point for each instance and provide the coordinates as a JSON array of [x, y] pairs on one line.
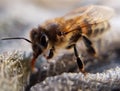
[[44, 40]]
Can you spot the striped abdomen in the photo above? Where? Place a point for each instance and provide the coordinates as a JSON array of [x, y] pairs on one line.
[[96, 29]]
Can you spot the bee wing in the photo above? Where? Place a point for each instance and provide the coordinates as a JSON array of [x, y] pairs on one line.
[[91, 14]]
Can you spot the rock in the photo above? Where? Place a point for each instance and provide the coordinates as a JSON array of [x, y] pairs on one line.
[[105, 81]]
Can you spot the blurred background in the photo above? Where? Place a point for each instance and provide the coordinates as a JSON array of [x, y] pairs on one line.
[[18, 17]]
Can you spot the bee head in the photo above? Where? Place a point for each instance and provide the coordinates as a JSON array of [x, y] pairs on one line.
[[39, 40]]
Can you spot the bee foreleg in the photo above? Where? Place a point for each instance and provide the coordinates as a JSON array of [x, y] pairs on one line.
[[51, 53], [79, 61], [89, 46]]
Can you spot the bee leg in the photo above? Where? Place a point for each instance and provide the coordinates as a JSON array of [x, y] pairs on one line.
[[79, 61], [51, 53], [86, 41], [89, 46]]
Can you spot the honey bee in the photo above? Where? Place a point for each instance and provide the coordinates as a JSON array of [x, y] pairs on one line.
[[83, 23]]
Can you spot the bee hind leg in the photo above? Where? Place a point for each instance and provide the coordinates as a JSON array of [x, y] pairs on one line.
[[79, 61], [89, 46]]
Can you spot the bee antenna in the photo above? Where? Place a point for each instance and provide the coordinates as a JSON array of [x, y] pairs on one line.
[[17, 38]]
